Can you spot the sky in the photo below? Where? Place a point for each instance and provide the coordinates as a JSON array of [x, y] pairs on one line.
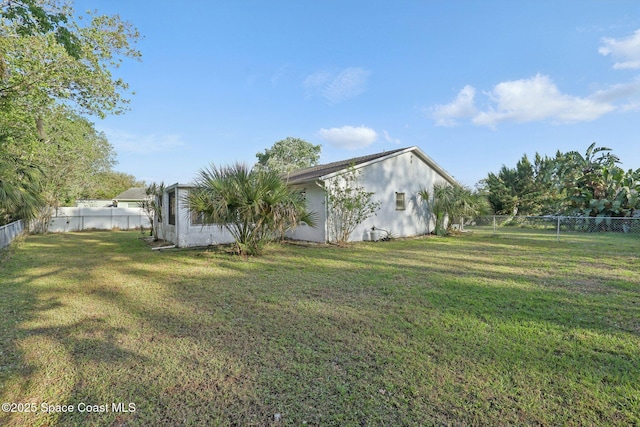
[[474, 84]]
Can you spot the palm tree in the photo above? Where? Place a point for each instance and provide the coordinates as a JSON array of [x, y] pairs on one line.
[[582, 175], [152, 207], [255, 206], [20, 189], [447, 202], [438, 202]]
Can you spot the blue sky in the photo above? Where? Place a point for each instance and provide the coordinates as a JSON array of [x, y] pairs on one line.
[[474, 84]]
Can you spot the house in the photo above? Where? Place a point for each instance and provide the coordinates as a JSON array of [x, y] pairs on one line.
[[394, 177], [132, 198]]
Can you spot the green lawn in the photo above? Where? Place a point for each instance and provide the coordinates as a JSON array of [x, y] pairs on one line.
[[469, 330]]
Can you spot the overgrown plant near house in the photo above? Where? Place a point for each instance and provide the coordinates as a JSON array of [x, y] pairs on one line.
[[153, 207], [447, 204], [20, 188], [349, 204], [255, 206]]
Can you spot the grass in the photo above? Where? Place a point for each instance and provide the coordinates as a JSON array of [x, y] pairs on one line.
[[470, 330]]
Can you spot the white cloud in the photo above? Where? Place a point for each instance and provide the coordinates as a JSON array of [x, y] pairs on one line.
[[461, 107], [349, 137], [340, 87], [388, 138], [631, 106], [625, 51], [316, 79], [617, 92], [530, 100], [537, 99], [143, 144]]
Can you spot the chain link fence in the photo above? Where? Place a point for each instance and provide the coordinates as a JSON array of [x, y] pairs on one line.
[[553, 225]]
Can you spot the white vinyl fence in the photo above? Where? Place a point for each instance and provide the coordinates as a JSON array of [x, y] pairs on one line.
[[79, 219], [553, 225], [9, 232]]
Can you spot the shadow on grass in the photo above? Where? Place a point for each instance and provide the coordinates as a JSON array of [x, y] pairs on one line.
[[43, 341], [362, 323], [401, 334]]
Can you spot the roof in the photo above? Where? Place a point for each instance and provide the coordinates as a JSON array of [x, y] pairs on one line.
[[315, 172], [323, 171], [135, 193]]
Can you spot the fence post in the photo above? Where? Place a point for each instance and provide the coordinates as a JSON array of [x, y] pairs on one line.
[[558, 232], [494, 224]]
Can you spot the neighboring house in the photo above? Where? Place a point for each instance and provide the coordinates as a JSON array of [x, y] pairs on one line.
[[393, 176], [132, 198]]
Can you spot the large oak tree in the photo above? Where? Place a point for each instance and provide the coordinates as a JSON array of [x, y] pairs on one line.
[[55, 67]]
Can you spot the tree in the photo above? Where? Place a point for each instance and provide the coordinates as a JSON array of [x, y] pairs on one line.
[[32, 17], [288, 155], [108, 184], [500, 189], [20, 192], [585, 180], [447, 203], [590, 184], [71, 155], [616, 194], [53, 68], [255, 206], [152, 206], [527, 189], [348, 205], [39, 71], [549, 194]]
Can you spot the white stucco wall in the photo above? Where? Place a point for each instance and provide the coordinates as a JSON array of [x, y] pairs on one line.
[[183, 233], [79, 218], [405, 173], [315, 202]]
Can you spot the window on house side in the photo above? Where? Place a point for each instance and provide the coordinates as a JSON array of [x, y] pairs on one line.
[[197, 218], [400, 202], [172, 208]]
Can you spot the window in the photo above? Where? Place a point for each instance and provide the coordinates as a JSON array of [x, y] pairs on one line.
[[400, 202], [197, 218], [172, 208]]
